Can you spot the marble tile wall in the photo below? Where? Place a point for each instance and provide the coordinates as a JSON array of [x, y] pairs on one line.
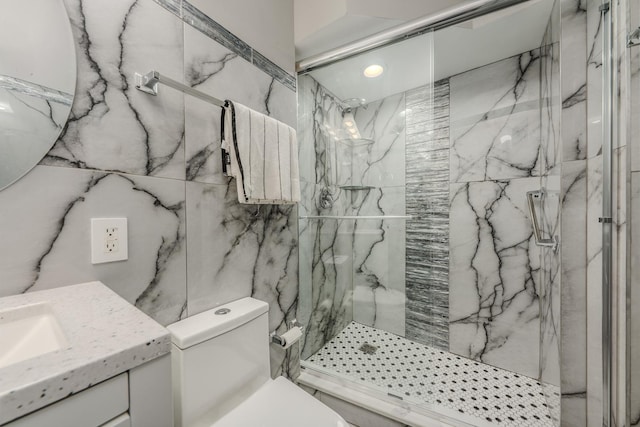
[[427, 195], [492, 255], [494, 308], [582, 197], [550, 209], [582, 181], [155, 161], [350, 269], [495, 132], [594, 212], [573, 339], [494, 266], [379, 245], [633, 222], [326, 256], [623, 117]]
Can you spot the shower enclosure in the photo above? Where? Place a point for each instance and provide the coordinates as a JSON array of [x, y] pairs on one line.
[[450, 203]]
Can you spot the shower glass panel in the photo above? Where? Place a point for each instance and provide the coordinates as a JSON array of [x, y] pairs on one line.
[[353, 211], [632, 269], [419, 274]]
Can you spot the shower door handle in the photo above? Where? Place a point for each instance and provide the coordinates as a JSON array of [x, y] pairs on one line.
[[553, 242]]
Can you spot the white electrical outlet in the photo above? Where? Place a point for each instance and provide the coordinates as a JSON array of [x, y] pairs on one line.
[[108, 240]]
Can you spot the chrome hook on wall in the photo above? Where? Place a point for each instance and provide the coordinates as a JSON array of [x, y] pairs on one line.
[[552, 242]]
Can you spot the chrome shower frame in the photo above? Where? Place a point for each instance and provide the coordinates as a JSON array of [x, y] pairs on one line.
[[446, 18], [607, 213]]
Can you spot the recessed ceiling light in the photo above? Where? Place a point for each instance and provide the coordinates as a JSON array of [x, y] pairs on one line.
[[373, 70]]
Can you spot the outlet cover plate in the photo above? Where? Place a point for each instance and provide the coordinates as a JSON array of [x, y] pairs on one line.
[[108, 240]]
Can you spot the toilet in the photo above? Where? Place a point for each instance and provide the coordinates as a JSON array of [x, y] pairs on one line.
[[221, 374]]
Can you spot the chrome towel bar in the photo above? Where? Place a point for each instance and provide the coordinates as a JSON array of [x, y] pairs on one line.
[[148, 83], [552, 242]]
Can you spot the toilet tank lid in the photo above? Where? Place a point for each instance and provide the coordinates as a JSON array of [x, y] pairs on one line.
[[206, 325]]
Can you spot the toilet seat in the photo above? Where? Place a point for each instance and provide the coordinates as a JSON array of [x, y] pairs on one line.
[[280, 403]]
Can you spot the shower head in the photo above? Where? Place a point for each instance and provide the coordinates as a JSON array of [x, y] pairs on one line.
[[351, 103]]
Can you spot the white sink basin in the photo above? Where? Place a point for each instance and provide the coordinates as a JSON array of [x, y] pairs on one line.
[[28, 331]]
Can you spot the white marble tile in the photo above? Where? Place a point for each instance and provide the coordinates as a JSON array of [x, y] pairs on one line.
[[495, 120], [319, 126], [383, 122], [633, 343], [594, 78], [380, 307], [550, 284], [113, 126], [266, 26], [379, 274], [550, 136], [574, 52], [326, 280], [238, 251], [594, 291], [574, 291], [574, 79], [350, 268], [213, 69], [364, 257], [48, 236], [619, 280], [494, 267]]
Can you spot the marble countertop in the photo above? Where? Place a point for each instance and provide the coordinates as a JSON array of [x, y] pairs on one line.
[[106, 335]]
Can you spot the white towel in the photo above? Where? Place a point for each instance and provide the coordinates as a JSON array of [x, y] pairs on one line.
[[261, 153]]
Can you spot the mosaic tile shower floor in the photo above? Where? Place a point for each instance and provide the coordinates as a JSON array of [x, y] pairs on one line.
[[420, 373]]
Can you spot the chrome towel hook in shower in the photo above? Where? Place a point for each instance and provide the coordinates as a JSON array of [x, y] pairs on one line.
[[552, 242]]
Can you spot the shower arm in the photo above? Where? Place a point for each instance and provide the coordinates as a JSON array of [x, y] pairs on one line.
[[552, 242]]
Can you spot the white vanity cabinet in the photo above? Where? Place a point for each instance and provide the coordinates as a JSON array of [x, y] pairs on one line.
[[140, 397], [113, 367]]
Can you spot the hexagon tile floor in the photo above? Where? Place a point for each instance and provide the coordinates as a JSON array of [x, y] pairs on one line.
[[417, 372]]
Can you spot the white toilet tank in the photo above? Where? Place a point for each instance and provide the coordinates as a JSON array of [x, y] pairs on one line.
[[219, 358]]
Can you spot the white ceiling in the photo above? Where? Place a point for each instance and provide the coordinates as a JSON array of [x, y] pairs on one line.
[[323, 25], [408, 64]]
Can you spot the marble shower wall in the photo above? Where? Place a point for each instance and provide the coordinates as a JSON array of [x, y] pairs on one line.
[[350, 269], [633, 221], [494, 271], [582, 198], [326, 257], [573, 338], [379, 245], [155, 161], [550, 212], [486, 263]]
